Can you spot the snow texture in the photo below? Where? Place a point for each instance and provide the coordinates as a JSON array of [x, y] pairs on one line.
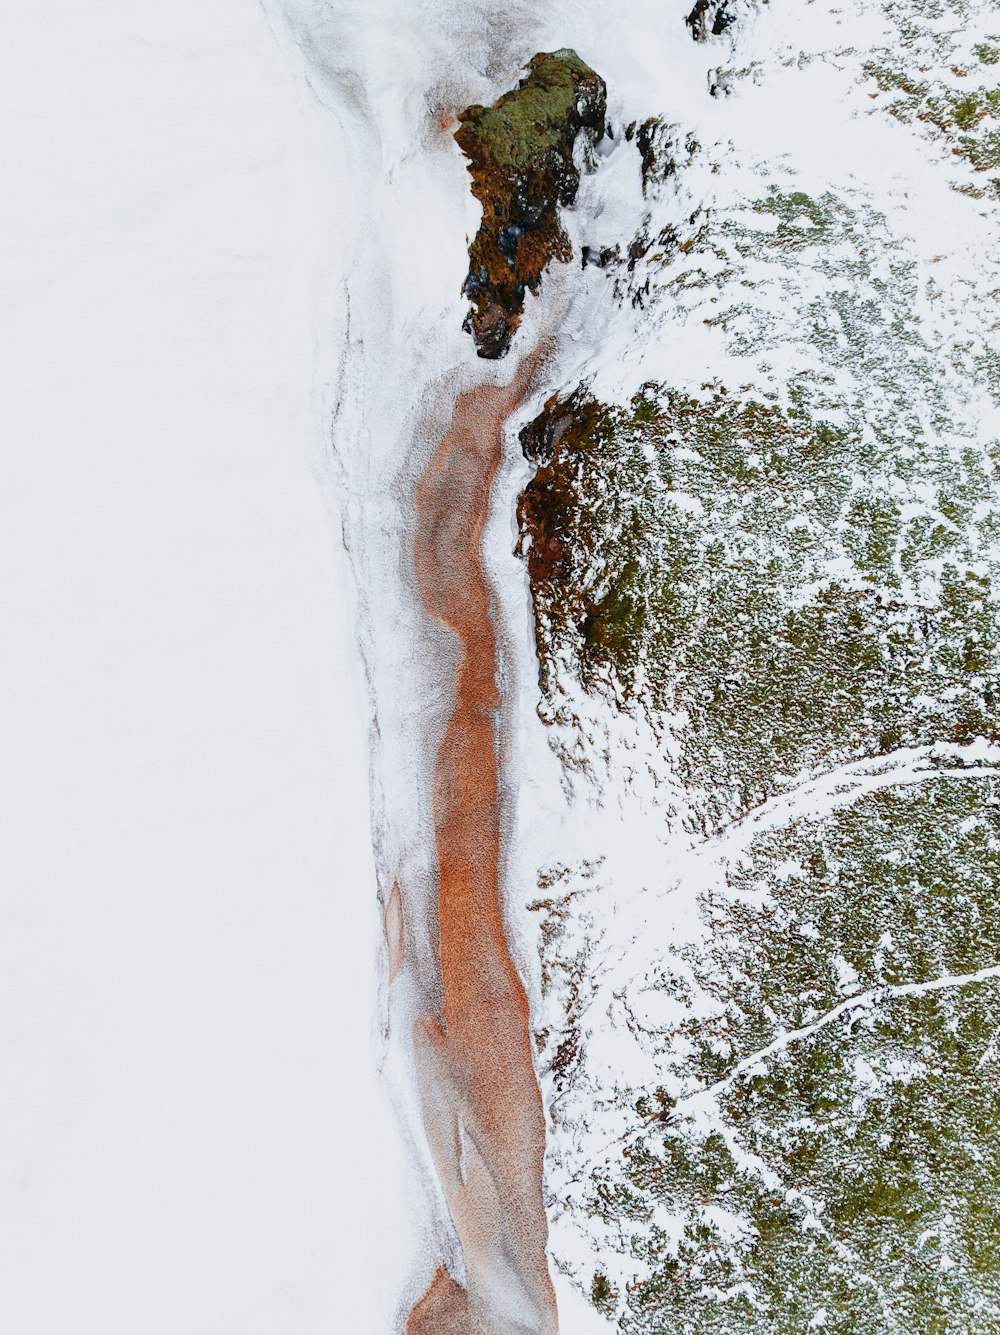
[[192, 1134]]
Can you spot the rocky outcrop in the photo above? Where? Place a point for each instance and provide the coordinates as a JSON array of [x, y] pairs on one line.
[[711, 18], [521, 159]]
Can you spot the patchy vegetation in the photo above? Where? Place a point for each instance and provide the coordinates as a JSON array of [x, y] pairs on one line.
[[786, 589], [786, 578], [520, 152], [966, 118], [940, 77], [850, 1179]]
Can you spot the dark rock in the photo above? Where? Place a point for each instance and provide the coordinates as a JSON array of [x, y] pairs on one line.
[[541, 436], [711, 17]]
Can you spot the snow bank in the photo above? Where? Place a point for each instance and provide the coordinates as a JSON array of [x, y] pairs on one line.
[[193, 1138]]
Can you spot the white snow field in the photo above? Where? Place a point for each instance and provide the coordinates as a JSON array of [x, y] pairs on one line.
[[193, 1140]]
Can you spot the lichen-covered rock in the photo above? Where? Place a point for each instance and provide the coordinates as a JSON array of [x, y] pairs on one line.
[[520, 152]]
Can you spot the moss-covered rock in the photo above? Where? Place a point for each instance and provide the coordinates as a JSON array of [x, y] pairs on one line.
[[520, 154]]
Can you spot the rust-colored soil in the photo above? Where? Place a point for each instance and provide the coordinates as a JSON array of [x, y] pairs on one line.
[[483, 1107], [443, 1310]]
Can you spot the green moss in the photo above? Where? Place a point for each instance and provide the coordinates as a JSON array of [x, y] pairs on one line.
[[603, 1294], [790, 208], [534, 119]]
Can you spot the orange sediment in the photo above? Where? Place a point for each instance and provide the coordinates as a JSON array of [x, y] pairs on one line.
[[443, 1310], [395, 939], [483, 1108]]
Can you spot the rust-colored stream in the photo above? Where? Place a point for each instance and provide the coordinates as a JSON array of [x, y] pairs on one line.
[[483, 1109]]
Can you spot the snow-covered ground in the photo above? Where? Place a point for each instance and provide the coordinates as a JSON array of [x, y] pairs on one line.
[[192, 1136], [232, 229]]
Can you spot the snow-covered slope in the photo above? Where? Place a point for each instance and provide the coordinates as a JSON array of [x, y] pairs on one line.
[[192, 1137]]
